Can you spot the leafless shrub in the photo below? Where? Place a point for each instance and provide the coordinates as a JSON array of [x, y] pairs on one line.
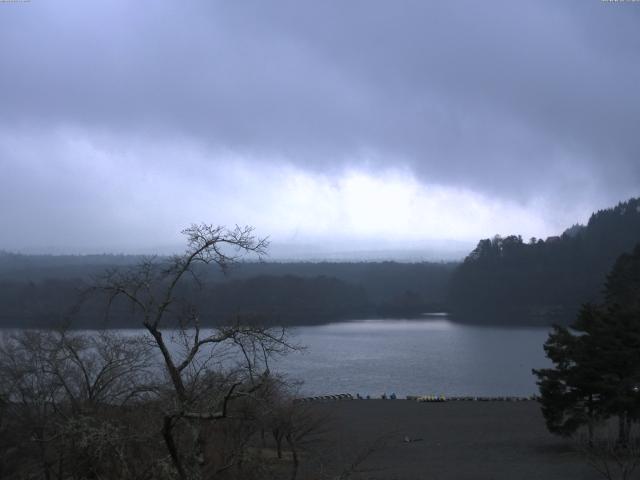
[[611, 459], [357, 464], [60, 390], [181, 401]]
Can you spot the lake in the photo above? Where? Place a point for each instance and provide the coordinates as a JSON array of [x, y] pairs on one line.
[[429, 356], [416, 357]]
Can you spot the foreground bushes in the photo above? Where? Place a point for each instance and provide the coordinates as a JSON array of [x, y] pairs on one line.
[[97, 405]]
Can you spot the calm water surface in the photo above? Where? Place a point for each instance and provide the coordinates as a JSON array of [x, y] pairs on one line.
[[416, 357], [430, 356]]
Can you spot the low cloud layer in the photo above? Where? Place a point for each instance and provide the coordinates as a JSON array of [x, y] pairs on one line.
[[123, 121]]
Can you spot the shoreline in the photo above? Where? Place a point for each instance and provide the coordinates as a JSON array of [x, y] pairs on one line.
[[419, 398]]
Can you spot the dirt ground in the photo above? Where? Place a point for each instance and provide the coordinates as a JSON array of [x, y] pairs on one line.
[[451, 440]]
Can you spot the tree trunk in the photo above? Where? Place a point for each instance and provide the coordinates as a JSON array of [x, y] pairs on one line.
[[623, 430], [590, 420], [294, 456], [174, 374], [46, 467], [167, 434]]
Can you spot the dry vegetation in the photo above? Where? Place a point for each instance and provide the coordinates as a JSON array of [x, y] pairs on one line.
[[177, 402]]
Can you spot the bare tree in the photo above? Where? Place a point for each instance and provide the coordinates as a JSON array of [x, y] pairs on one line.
[[610, 458], [59, 390], [158, 293], [184, 400], [301, 428], [362, 456]]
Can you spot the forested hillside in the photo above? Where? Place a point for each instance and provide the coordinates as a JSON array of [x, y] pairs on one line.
[[543, 280], [43, 290], [504, 279]]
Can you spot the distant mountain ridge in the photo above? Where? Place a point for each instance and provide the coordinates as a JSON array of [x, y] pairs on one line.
[[542, 280]]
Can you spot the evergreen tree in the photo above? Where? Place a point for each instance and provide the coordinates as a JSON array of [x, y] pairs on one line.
[[596, 372], [570, 393], [540, 280]]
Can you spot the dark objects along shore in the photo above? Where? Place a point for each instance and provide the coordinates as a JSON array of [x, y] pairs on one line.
[[418, 398]]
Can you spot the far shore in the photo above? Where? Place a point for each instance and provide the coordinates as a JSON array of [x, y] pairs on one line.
[[505, 321]]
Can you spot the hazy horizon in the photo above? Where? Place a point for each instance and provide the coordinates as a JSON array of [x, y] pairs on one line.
[[287, 252]]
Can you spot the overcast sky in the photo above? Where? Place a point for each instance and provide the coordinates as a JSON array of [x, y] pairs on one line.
[[354, 124]]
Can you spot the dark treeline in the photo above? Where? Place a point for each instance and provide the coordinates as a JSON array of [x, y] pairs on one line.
[[539, 281], [503, 280], [21, 267], [43, 290]]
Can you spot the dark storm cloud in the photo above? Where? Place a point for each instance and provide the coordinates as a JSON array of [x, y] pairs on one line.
[[516, 100]]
